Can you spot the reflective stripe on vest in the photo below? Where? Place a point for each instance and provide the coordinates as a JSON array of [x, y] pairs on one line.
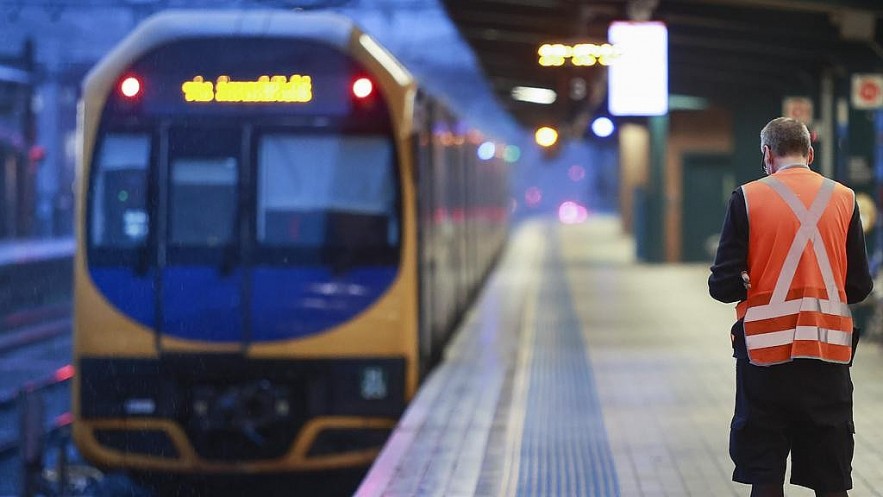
[[770, 343]]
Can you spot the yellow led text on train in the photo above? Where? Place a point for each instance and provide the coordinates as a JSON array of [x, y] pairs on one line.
[[295, 88]]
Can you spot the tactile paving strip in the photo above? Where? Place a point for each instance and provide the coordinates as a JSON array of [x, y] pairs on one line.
[[564, 448]]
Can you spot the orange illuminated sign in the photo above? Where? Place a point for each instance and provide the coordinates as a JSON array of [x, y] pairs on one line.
[[581, 54], [291, 89]]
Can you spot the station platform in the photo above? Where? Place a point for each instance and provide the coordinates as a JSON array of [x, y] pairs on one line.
[[17, 252], [34, 273], [580, 372]]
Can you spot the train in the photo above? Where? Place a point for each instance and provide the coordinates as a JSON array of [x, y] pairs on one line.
[[277, 229]]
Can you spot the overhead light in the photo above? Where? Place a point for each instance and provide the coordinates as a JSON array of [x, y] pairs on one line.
[[546, 136], [533, 95], [511, 153], [581, 54], [572, 213], [487, 150], [602, 127]]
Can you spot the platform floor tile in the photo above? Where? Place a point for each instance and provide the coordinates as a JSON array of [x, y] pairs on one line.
[[581, 372], [660, 350]]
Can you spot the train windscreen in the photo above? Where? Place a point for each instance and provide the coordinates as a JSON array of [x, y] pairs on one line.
[[321, 180]]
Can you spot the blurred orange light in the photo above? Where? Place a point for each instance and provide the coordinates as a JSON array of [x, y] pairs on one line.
[[546, 136], [363, 87], [130, 87]]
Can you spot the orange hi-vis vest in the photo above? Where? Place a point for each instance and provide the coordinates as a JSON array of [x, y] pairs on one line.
[[796, 306]]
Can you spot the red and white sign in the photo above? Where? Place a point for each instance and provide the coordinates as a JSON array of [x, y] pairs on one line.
[[799, 108], [867, 91]]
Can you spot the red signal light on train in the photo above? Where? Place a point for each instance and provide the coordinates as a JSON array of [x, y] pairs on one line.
[[130, 87], [363, 88]]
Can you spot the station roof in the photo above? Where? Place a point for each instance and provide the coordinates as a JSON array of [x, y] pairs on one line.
[[718, 49]]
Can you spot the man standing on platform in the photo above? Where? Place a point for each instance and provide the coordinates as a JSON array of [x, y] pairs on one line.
[[792, 254]]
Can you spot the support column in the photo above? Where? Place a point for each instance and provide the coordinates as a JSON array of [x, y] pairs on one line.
[[48, 136], [877, 258], [655, 207], [829, 141]]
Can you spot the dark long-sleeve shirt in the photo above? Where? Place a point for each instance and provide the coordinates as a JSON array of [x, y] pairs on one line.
[[725, 282]]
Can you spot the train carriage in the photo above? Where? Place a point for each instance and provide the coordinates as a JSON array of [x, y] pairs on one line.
[[277, 229]]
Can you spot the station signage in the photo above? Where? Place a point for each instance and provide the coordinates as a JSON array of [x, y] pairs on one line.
[[800, 108], [867, 91], [637, 83]]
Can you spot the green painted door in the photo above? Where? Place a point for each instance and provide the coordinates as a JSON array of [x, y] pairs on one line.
[[708, 181]]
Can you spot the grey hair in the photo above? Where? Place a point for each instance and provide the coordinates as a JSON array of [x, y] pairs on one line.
[[786, 136]]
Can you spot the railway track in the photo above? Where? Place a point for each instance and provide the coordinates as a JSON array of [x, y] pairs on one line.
[[35, 374], [31, 326], [36, 454]]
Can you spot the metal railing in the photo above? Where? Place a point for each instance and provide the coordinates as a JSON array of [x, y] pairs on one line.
[[43, 449]]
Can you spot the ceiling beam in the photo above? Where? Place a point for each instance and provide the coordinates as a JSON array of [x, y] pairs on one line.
[[745, 47], [792, 31], [824, 6], [547, 4], [508, 37], [512, 19], [718, 49]]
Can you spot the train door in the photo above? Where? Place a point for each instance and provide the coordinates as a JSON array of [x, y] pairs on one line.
[[200, 291], [423, 162], [462, 233], [8, 181]]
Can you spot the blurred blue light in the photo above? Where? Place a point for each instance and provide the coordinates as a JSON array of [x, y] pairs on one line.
[[602, 127], [486, 150]]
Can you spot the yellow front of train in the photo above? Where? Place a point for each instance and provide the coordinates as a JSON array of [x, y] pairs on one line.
[[245, 279]]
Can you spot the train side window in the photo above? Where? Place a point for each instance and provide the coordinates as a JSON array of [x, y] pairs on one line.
[[119, 206], [327, 190]]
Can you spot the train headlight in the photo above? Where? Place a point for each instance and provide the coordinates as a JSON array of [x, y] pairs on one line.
[[374, 384], [138, 406], [200, 407]]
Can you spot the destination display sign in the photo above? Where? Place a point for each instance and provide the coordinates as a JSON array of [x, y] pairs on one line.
[[265, 89]]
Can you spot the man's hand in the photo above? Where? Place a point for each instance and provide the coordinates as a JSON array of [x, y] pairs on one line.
[[746, 281]]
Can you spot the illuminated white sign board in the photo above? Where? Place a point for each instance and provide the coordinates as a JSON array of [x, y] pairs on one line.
[[638, 79]]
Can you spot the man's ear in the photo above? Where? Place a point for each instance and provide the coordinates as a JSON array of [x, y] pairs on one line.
[[810, 156]]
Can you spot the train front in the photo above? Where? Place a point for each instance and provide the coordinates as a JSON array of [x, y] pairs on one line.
[[245, 294]]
